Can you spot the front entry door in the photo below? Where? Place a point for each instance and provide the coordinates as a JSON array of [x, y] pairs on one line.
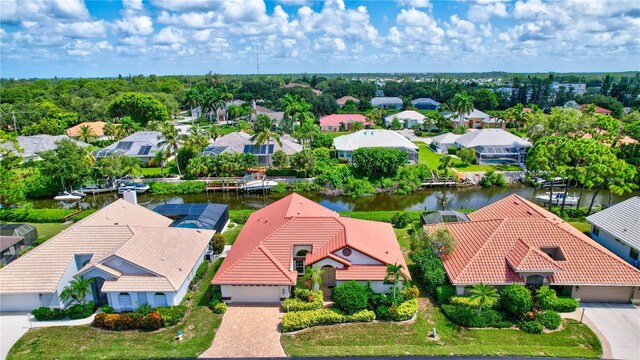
[[328, 276]]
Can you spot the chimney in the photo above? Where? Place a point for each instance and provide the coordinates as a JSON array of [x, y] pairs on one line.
[[131, 196]]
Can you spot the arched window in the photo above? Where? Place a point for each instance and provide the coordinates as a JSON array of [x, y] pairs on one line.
[[302, 252], [124, 299], [160, 299]]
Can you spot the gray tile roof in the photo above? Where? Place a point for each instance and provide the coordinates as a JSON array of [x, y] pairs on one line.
[[491, 137], [372, 138], [142, 144], [425, 101], [377, 101], [32, 145], [621, 220], [235, 142]]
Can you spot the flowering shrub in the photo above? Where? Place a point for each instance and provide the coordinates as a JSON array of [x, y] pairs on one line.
[[128, 321]]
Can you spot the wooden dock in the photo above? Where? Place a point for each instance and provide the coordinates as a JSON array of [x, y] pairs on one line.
[[224, 184], [438, 181]]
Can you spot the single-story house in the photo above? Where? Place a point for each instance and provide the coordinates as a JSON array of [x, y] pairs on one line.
[[196, 216], [345, 145], [514, 241], [240, 142], [425, 104], [618, 229], [443, 142], [343, 100], [97, 129], [495, 146], [342, 122], [35, 144], [131, 252], [599, 110], [408, 119], [387, 102], [279, 241], [476, 119], [141, 145]]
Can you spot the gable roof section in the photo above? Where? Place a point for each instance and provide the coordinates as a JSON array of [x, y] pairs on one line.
[[407, 114], [372, 138], [34, 144], [447, 138], [263, 251], [489, 245], [621, 220], [97, 128]]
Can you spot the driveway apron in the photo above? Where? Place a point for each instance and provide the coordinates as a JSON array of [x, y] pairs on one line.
[[620, 324]]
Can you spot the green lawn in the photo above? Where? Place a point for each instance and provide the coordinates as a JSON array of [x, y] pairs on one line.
[[47, 230], [388, 339], [232, 234], [156, 171], [583, 226], [86, 342]]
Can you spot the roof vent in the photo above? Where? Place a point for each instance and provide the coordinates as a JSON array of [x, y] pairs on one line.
[[115, 223], [198, 231], [529, 212], [162, 259], [179, 269]]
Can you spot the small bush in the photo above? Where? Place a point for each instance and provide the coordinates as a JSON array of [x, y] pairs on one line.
[[546, 298], [452, 150], [350, 297], [549, 319], [202, 269], [303, 301], [404, 311], [81, 311], [400, 220], [444, 293], [469, 317], [44, 314], [532, 327], [217, 242], [107, 309], [220, 308], [471, 302], [171, 315], [144, 310], [294, 321], [492, 178], [516, 299], [410, 292], [566, 304], [128, 321], [151, 322]]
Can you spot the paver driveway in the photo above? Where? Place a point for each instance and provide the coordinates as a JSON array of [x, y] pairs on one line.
[[620, 324], [248, 331]]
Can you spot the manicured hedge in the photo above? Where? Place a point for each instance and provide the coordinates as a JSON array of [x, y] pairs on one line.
[[469, 317], [549, 319], [74, 312], [303, 300], [444, 293], [35, 215], [171, 315], [533, 327], [128, 321], [566, 304], [299, 320], [184, 187], [219, 308], [516, 299], [474, 303], [350, 297], [202, 269], [404, 311]]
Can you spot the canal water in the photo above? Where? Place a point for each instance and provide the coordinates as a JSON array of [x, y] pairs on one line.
[[429, 199]]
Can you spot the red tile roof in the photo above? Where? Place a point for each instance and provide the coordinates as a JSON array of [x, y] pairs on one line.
[[508, 236], [337, 119], [343, 100], [262, 254], [599, 110]]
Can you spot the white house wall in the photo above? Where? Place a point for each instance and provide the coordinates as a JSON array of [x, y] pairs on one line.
[[357, 258], [72, 269], [607, 240], [185, 285], [329, 262], [112, 297]]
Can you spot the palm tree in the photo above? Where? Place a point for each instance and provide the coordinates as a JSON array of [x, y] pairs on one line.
[[315, 275], [518, 114], [307, 130], [77, 290], [197, 138], [376, 115], [211, 102], [484, 294], [214, 132], [394, 272], [171, 139], [131, 166], [462, 105], [159, 159], [86, 134], [244, 126], [193, 99], [546, 297], [264, 133]]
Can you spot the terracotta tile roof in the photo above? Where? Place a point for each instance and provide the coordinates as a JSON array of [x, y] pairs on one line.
[[97, 127], [132, 232], [337, 119], [488, 246], [362, 272], [262, 254], [137, 283], [343, 100], [599, 110], [523, 257]]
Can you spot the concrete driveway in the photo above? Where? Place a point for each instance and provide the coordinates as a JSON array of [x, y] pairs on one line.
[[620, 325], [12, 327], [248, 331]]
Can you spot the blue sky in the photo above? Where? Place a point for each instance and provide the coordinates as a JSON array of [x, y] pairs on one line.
[[74, 38]]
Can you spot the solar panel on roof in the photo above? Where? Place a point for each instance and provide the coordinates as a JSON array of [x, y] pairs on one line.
[[259, 150], [213, 150], [124, 145], [144, 150]]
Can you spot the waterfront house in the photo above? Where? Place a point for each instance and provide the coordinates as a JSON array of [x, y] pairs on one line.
[[514, 241], [443, 142], [345, 145], [387, 102], [343, 122], [15, 238], [279, 241], [141, 145], [618, 229], [32, 146], [425, 104], [492, 146], [240, 142], [133, 254]]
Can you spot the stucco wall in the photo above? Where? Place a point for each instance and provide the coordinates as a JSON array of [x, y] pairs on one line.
[[357, 257], [607, 240]]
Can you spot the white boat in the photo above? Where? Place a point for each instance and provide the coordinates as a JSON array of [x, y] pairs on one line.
[[133, 186], [78, 193], [96, 189], [65, 196], [259, 185], [556, 199]]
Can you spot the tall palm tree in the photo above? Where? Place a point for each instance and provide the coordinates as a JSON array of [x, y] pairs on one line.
[[307, 130], [211, 102], [263, 133], [171, 139], [376, 115], [214, 132], [462, 105], [394, 273], [77, 290], [303, 112], [193, 99], [314, 274], [197, 138], [484, 294], [159, 159], [86, 134], [244, 126], [517, 114]]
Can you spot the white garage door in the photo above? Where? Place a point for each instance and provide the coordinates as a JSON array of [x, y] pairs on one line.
[[605, 294], [19, 302], [255, 294]]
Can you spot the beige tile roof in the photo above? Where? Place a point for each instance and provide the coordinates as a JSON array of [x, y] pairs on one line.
[[132, 232], [137, 283]]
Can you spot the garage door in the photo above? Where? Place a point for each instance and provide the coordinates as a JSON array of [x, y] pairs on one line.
[[603, 294], [255, 294], [19, 302]]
